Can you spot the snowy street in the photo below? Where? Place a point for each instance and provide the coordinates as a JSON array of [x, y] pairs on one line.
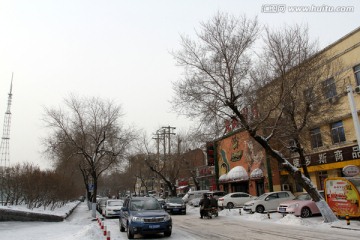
[[229, 225]]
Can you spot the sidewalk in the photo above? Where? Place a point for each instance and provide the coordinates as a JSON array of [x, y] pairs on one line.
[[354, 224]]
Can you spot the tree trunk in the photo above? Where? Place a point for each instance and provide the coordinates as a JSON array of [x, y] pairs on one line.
[[305, 182]]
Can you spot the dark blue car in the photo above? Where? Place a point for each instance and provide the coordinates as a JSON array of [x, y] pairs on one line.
[[144, 215]]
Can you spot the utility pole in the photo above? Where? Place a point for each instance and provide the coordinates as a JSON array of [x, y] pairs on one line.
[[354, 113], [157, 138], [167, 130]]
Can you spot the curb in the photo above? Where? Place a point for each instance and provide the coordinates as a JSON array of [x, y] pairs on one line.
[[103, 228], [347, 228]]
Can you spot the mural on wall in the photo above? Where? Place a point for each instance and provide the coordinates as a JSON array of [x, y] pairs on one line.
[[224, 165], [237, 154], [254, 156], [240, 150]]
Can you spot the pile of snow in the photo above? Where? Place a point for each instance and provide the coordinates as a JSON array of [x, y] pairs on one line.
[[292, 220], [229, 212], [62, 211]]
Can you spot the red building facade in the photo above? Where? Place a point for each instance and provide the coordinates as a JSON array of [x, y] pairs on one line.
[[242, 165]]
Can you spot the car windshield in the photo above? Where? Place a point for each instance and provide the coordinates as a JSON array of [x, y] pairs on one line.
[[262, 197], [144, 204], [175, 200], [302, 197], [115, 203]]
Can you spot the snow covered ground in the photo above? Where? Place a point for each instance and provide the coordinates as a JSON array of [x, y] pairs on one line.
[[82, 227]]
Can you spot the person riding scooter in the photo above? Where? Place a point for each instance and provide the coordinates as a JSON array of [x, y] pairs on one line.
[[213, 206], [204, 206]]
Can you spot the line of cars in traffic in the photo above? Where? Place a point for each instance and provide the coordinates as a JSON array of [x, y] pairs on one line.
[[283, 202], [148, 215], [142, 215]]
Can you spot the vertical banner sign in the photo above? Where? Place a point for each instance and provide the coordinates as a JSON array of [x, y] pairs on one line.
[[210, 151]]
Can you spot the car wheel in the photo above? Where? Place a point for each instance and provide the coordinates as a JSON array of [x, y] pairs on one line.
[[305, 212], [230, 205], [260, 209], [167, 233], [130, 234], [122, 228]]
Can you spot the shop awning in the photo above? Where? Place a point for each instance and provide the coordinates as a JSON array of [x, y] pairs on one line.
[[223, 178], [256, 173], [237, 173]]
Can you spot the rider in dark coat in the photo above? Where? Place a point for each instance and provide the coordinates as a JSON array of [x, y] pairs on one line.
[[213, 202], [204, 205]]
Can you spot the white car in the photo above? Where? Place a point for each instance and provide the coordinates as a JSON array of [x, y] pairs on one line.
[[267, 202], [235, 199], [194, 202], [113, 207]]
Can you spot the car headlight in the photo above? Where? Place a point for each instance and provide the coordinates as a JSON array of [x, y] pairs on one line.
[[250, 204], [137, 219], [167, 218]]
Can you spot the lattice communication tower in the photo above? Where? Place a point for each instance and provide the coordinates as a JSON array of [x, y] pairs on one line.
[[5, 140]]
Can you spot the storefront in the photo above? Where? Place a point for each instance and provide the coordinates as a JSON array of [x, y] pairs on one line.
[[241, 165], [324, 164]]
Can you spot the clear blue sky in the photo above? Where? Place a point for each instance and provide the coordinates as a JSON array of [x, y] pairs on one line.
[[117, 49]]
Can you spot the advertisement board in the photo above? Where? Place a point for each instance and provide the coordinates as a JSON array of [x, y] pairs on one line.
[[342, 195]]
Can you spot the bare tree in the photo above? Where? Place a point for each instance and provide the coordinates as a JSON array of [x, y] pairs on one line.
[[91, 129], [218, 84], [166, 166]]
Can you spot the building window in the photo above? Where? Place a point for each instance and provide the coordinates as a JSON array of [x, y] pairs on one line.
[[322, 176], [337, 132], [329, 88], [309, 95], [357, 74], [316, 140]]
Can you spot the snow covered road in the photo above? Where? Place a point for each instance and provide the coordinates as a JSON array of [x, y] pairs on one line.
[[229, 225]]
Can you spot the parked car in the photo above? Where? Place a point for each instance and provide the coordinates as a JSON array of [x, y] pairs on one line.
[[216, 194], [144, 215], [100, 205], [175, 205], [195, 202], [267, 202], [194, 194], [235, 199], [302, 206], [161, 201], [112, 207]]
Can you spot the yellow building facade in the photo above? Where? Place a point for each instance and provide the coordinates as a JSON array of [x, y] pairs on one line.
[[332, 144]]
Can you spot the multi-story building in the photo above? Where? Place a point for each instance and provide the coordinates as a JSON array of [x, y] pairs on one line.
[[332, 142], [195, 173], [242, 165]]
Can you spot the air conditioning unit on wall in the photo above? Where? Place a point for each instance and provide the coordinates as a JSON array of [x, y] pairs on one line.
[[357, 89], [333, 100], [285, 187]]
